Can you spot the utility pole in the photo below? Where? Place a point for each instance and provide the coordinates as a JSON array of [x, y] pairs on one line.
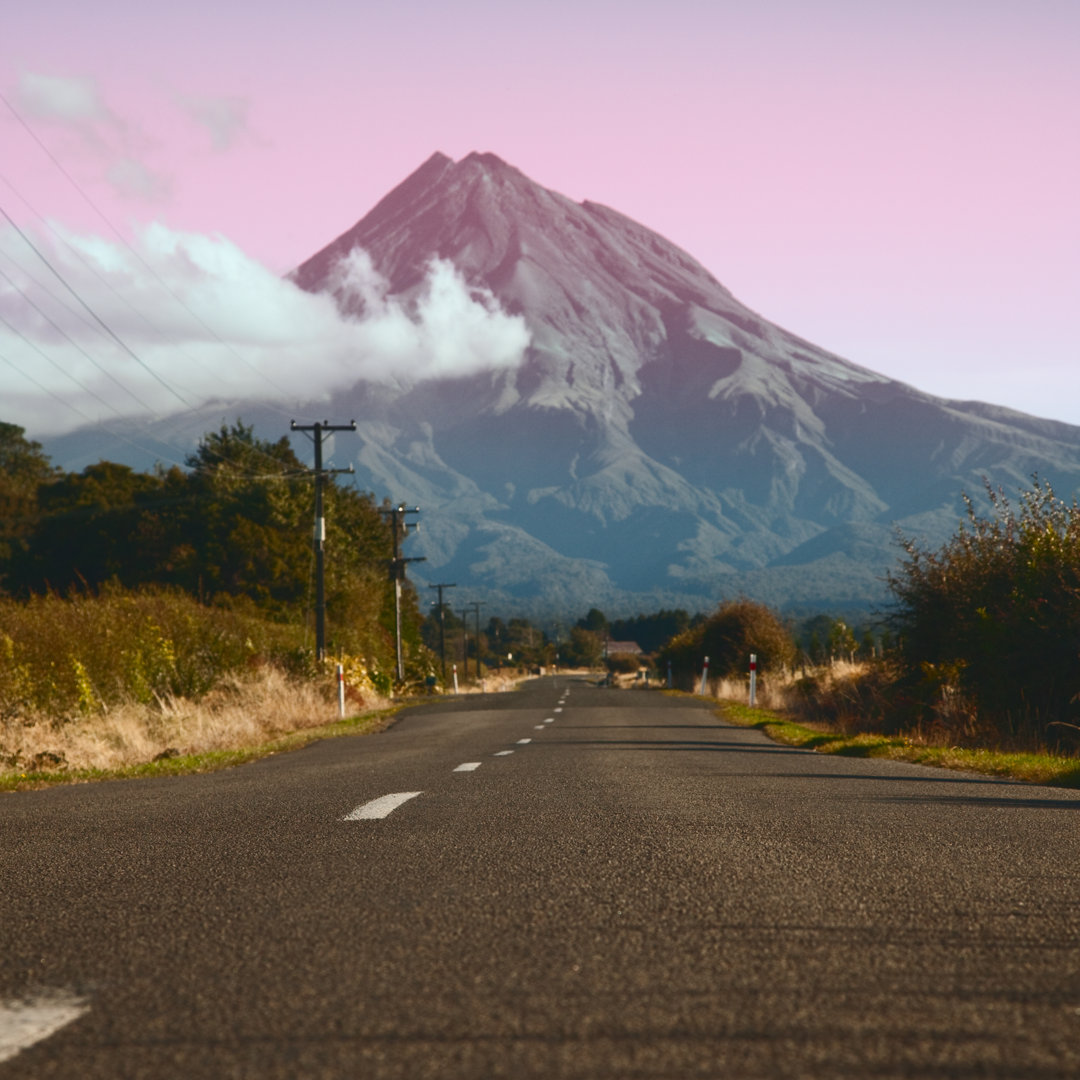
[[318, 432], [475, 607], [399, 528], [442, 624]]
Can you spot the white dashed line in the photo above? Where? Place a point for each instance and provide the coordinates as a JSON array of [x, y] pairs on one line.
[[379, 808], [502, 753], [467, 766], [539, 727], [523, 742], [23, 1023]]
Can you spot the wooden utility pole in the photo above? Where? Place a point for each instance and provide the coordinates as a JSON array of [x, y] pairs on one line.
[[399, 528], [318, 432], [475, 607], [442, 624]]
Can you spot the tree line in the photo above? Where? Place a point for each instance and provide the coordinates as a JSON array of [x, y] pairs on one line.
[[233, 528]]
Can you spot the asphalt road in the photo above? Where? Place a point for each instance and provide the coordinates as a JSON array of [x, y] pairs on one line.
[[638, 891]]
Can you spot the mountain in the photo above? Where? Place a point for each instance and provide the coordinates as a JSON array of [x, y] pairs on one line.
[[660, 438], [660, 444]]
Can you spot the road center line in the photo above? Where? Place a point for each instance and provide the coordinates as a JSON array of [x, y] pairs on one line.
[[557, 709], [539, 727], [468, 766], [502, 753], [380, 808], [523, 742], [23, 1023], [550, 720]]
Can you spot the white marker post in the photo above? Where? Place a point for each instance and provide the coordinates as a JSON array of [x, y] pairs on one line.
[[341, 691], [704, 677], [455, 679], [669, 683], [753, 680]]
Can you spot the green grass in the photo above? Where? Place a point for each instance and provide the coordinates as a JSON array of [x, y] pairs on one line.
[[1049, 769], [210, 761]]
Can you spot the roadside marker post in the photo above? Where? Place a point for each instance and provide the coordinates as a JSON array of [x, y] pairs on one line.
[[704, 677], [669, 675], [455, 679], [753, 680], [341, 690]]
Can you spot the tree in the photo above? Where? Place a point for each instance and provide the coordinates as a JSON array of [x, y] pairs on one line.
[[24, 469], [728, 637], [584, 649]]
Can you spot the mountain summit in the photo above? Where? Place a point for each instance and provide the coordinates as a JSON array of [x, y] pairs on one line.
[[660, 442]]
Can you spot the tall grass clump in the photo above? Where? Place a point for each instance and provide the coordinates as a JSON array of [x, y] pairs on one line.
[[122, 678], [86, 654]]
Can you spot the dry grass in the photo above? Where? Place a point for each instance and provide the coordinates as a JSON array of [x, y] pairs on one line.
[[242, 711]]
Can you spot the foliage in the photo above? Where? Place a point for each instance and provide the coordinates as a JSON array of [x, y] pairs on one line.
[[584, 649], [623, 663], [650, 632], [989, 624], [233, 530], [88, 653], [23, 469], [728, 637]]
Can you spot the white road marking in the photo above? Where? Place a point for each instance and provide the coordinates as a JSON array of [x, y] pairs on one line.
[[379, 808], [502, 753], [23, 1023], [468, 766], [559, 709], [539, 727], [523, 742]]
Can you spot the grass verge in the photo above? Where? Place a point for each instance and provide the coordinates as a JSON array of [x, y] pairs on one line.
[[207, 761], [1048, 769]]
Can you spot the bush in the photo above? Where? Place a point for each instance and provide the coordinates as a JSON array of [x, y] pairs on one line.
[[728, 637], [989, 624]]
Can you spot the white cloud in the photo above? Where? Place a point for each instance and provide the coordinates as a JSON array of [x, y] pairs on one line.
[[276, 341], [226, 118], [64, 99], [77, 105], [132, 177]]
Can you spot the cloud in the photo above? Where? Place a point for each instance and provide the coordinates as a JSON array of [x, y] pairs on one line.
[[213, 324], [226, 118], [131, 177], [77, 105], [65, 100]]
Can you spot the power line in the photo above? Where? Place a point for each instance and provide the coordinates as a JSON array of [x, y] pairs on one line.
[[95, 316], [123, 240]]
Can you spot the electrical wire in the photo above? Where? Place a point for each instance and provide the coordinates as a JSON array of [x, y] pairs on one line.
[[97, 210], [120, 236]]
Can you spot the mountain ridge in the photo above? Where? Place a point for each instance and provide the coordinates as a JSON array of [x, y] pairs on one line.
[[661, 442]]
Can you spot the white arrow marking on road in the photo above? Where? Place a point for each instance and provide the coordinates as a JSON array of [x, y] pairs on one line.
[[23, 1023], [379, 808], [502, 753], [468, 766], [523, 742]]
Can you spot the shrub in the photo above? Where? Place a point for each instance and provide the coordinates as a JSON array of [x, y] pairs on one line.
[[989, 624], [728, 637]]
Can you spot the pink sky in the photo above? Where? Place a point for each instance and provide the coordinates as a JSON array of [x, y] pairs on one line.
[[897, 183]]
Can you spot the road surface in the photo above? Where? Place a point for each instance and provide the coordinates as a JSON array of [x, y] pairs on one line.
[[565, 881]]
